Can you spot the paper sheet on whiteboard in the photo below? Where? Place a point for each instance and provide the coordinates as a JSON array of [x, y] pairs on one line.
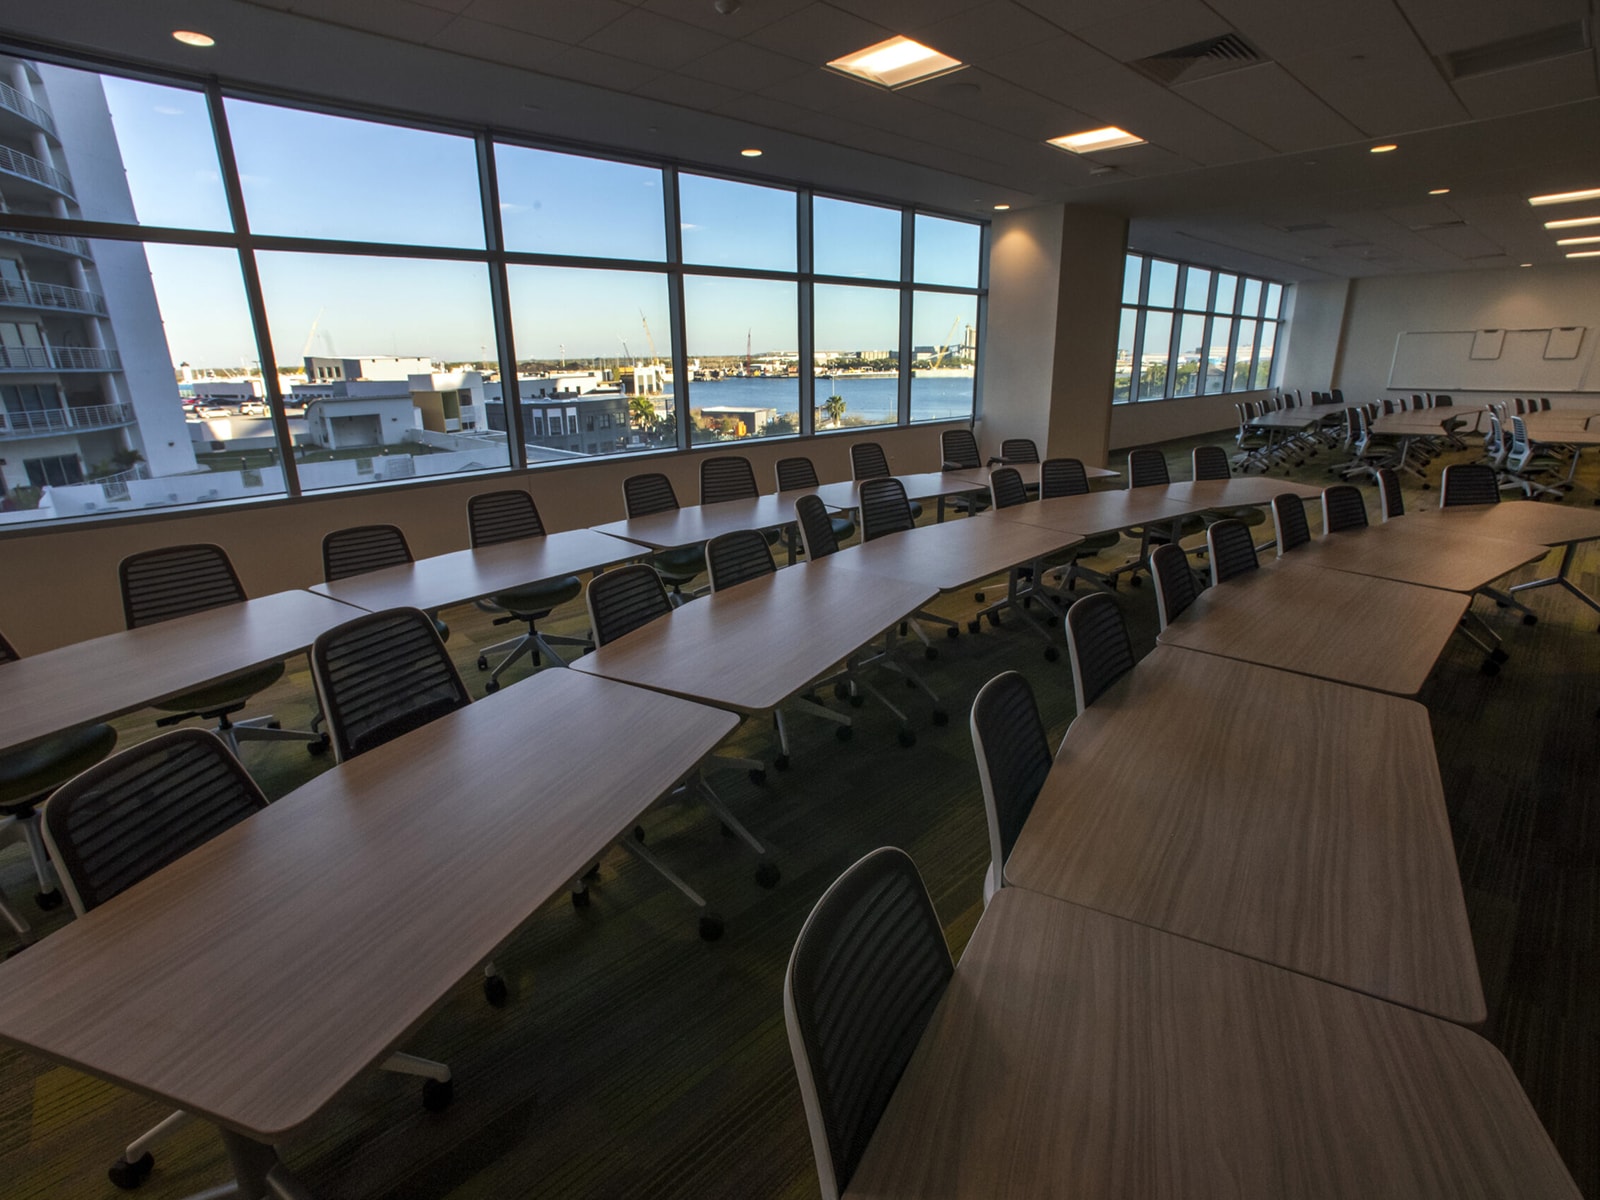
[[1565, 343]]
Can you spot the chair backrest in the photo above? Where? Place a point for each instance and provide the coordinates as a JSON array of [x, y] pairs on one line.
[[1147, 468], [1343, 508], [727, 477], [1522, 405], [623, 599], [1289, 516], [1019, 450], [1175, 583], [1468, 483], [1336, 395], [646, 494], [1097, 643], [1062, 477], [363, 548], [508, 516], [1006, 488], [1210, 462], [884, 508], [1013, 755], [137, 811], [1233, 551], [175, 581], [1443, 402], [382, 675], [732, 558], [868, 969], [1544, 403], [796, 473], [1393, 504], [868, 461], [959, 449], [816, 528], [8, 652]]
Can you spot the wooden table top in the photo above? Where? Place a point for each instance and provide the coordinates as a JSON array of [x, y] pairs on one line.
[[750, 647], [924, 486], [1031, 472], [1076, 1055], [1413, 552], [953, 554], [1522, 520], [1415, 422], [431, 583], [1292, 820], [701, 522], [1099, 512], [1357, 629], [254, 978], [1293, 418], [1575, 430], [1239, 490], [106, 676]]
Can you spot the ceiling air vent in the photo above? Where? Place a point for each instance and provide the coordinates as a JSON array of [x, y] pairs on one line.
[[1429, 226], [1570, 38], [1308, 227], [1214, 56]]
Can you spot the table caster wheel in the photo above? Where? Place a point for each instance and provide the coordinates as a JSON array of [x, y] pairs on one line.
[[1427, 487], [758, 776], [977, 597], [483, 662], [974, 626], [593, 872], [857, 701], [494, 990], [129, 1175], [1136, 581], [994, 619], [48, 900], [436, 1096], [319, 747], [638, 834], [1529, 619], [767, 875], [1499, 655], [929, 653], [952, 633], [580, 898], [1051, 654], [844, 733], [710, 928], [1489, 667], [490, 688], [781, 762], [903, 628], [907, 738], [940, 717], [841, 691]]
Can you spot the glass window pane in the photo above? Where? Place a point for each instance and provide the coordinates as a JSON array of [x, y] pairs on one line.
[[1120, 389], [728, 224], [1269, 336], [1154, 354], [861, 240], [1196, 288], [1274, 301], [565, 204], [1163, 283], [944, 341], [1217, 353], [1250, 300], [394, 381], [1132, 265], [857, 372], [1242, 356], [1191, 354], [307, 174], [1227, 287], [594, 348], [743, 356], [947, 251]]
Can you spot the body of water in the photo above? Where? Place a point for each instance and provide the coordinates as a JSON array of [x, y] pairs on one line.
[[933, 398]]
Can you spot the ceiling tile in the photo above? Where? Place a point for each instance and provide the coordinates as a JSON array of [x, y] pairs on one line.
[[820, 89], [1448, 25], [1283, 30], [746, 68], [691, 93], [1044, 66], [1538, 85], [819, 33], [1386, 88], [903, 16], [1140, 32], [1267, 103], [750, 16], [1072, 15], [985, 30], [394, 18], [496, 43], [994, 101], [657, 41], [555, 19]]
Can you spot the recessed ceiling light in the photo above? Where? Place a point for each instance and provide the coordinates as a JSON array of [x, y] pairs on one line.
[[1572, 223], [190, 38], [1527, 264], [896, 63], [1091, 141], [1007, 208], [1583, 253], [751, 153], [1439, 192], [1565, 197], [1385, 148], [1577, 241]]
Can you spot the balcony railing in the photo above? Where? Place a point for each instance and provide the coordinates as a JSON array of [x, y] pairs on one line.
[[51, 295], [18, 103], [55, 241], [58, 358], [26, 165], [65, 420]]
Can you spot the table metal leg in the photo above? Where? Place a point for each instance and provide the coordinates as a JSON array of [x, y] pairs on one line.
[[258, 1172], [1560, 579]]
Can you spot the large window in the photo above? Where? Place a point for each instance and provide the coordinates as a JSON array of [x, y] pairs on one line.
[[1188, 330], [340, 300]]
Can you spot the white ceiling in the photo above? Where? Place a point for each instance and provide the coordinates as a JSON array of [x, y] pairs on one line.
[[1264, 168]]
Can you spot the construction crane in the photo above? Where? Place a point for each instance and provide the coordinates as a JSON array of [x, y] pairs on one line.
[[655, 359], [747, 371], [312, 332], [945, 349]]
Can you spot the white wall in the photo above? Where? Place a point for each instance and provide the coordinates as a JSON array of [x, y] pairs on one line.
[[1018, 355], [1310, 351], [1150, 421]]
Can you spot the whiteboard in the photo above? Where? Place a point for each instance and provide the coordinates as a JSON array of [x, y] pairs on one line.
[[1449, 361]]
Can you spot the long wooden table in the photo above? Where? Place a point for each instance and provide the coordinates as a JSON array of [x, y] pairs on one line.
[[1077, 1055], [253, 979], [956, 553], [1358, 629], [1100, 512], [106, 676], [1529, 521], [927, 485], [1289, 819], [1414, 552], [1032, 473], [1237, 491], [702, 522]]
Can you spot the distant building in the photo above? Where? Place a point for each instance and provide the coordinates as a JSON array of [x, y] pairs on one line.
[[589, 423], [741, 422], [387, 367]]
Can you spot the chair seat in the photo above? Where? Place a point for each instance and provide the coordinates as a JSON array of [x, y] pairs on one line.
[[1095, 544], [680, 563], [916, 511], [1186, 526], [226, 692], [28, 773], [1249, 514], [537, 599], [843, 527]]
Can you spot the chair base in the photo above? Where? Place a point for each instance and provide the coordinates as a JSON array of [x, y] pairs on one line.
[[534, 643]]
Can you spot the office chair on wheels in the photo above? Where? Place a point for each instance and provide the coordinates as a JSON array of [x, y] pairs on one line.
[[797, 474], [363, 548], [1008, 740], [1148, 468], [885, 510], [643, 495]]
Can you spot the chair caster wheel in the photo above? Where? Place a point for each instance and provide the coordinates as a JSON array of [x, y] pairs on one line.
[[274, 724], [710, 928], [1136, 581], [844, 733], [129, 1175], [1027, 602], [952, 633], [758, 776], [494, 989], [857, 701], [974, 626], [1490, 667], [940, 717], [977, 597], [638, 834], [580, 899], [483, 662], [767, 875], [903, 628], [1051, 654], [436, 1096], [490, 688], [592, 873], [1427, 487], [929, 653], [841, 691], [908, 738], [781, 762], [319, 747], [1529, 619], [1499, 655], [49, 900], [994, 620]]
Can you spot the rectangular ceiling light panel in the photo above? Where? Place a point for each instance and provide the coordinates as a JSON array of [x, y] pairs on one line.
[[1572, 223], [896, 63], [1091, 141], [1565, 197]]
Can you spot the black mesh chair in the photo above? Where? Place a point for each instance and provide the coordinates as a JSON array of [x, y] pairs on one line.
[[1343, 508], [885, 510], [1176, 585], [798, 474], [1013, 756], [643, 495], [175, 581], [512, 516], [1148, 468], [27, 776], [958, 451], [1211, 463], [1289, 518], [731, 477], [1024, 581], [1232, 550], [867, 972], [1470, 484], [868, 461], [1097, 642], [1018, 450], [139, 811], [1066, 477], [363, 548], [1392, 503]]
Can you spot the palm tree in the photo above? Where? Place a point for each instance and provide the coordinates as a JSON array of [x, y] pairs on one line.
[[642, 412], [835, 409]]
